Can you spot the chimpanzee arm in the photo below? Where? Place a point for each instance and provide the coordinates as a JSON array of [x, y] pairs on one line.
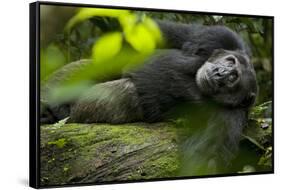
[[176, 34]]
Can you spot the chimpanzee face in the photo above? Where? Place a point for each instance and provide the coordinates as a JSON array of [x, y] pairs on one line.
[[229, 78]]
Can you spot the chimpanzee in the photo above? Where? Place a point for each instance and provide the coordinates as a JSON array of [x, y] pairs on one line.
[[205, 71]]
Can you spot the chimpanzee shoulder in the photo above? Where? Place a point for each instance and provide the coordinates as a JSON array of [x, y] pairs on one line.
[[168, 78]]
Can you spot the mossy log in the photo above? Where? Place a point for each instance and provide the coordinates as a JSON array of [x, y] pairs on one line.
[[81, 153], [96, 153]]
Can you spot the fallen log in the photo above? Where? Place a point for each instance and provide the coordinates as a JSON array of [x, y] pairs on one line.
[[97, 153], [81, 153]]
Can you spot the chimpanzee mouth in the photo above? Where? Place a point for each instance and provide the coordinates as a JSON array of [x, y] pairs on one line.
[[205, 82]]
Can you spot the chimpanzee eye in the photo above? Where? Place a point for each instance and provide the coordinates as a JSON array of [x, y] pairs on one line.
[[231, 59]]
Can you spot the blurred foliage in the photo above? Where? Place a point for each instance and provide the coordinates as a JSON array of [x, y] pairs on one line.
[[50, 25], [116, 39], [258, 133], [51, 59]]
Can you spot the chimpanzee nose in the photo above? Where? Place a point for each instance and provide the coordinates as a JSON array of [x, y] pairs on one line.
[[232, 76]]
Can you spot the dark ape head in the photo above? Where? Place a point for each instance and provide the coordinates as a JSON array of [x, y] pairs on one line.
[[228, 78]]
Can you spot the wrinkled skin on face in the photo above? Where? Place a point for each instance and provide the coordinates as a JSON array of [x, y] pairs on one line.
[[228, 78]]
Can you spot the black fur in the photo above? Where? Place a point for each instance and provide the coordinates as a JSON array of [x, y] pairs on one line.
[[170, 77], [166, 80], [196, 39]]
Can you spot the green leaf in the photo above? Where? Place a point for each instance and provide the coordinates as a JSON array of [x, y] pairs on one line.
[[61, 122], [154, 30], [51, 58], [260, 110], [252, 140], [266, 158], [67, 91], [59, 143], [107, 47], [140, 38], [127, 22], [86, 13]]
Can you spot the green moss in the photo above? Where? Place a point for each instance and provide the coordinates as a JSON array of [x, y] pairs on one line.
[[65, 168], [140, 150], [59, 143]]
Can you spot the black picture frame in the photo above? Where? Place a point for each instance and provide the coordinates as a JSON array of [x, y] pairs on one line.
[[34, 93]]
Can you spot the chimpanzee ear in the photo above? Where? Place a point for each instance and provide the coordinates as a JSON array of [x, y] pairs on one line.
[[249, 100]]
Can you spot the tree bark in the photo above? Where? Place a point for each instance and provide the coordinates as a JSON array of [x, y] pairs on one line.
[[82, 153]]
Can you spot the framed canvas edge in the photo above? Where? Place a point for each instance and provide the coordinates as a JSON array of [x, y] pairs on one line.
[[34, 100], [34, 92]]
